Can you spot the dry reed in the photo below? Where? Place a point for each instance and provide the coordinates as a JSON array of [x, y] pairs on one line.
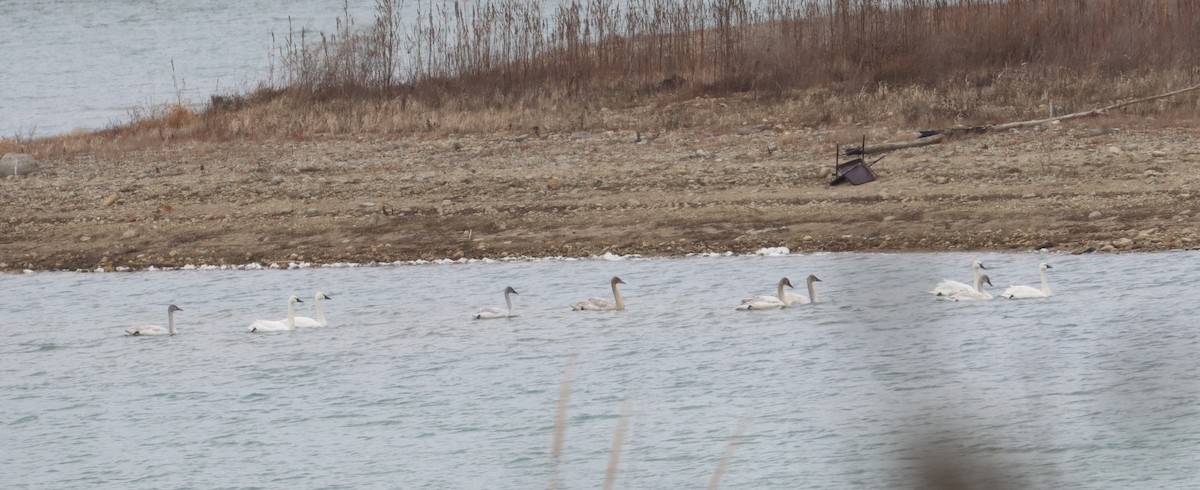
[[560, 418], [614, 454], [723, 465], [510, 65]]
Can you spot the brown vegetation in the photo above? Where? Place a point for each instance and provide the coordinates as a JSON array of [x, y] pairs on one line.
[[715, 123], [512, 66]]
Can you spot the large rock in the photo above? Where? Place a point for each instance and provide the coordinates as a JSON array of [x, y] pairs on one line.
[[17, 164]]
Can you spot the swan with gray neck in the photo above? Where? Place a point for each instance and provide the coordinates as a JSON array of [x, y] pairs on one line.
[[812, 292], [780, 299], [151, 330], [601, 304], [493, 312]]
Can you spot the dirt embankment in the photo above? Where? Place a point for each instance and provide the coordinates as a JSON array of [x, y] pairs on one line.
[[693, 190]]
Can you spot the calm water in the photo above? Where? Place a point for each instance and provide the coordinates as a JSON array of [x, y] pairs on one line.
[[72, 64], [1094, 388]]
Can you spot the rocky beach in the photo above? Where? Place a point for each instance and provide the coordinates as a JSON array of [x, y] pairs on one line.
[[1076, 188]]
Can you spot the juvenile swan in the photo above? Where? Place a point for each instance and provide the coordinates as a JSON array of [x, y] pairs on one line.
[[601, 304], [157, 329], [276, 325], [780, 299], [493, 312], [1025, 292], [797, 298], [975, 294], [949, 287], [306, 322]]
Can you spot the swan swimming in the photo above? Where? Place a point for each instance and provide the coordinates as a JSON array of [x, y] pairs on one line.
[[157, 329], [601, 304], [1026, 292], [492, 312], [780, 299], [797, 298], [306, 322], [949, 287], [975, 294], [275, 325]]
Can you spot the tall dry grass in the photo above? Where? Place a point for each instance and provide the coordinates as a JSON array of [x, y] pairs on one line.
[[508, 51], [498, 65]]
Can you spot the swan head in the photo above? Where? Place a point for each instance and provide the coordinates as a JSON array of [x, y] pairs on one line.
[[785, 282], [1044, 266], [813, 278], [510, 289], [321, 295], [978, 265], [984, 279], [616, 280], [173, 309], [293, 299]]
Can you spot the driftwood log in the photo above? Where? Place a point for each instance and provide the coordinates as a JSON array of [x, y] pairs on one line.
[[935, 136]]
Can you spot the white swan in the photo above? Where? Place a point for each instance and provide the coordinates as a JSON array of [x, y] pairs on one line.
[[276, 325], [979, 293], [601, 304], [306, 322], [797, 298], [157, 329], [493, 312], [780, 299], [1025, 292], [949, 287]]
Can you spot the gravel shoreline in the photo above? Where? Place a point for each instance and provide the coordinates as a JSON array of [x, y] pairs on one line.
[[1078, 188]]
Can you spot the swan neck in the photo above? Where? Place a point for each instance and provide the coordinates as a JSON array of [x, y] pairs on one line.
[[508, 301], [975, 275], [320, 312], [781, 294], [291, 319], [1045, 284], [617, 296], [812, 292], [171, 322]]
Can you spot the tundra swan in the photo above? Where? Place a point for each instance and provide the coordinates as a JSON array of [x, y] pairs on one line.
[[157, 329], [949, 287], [780, 299], [812, 292], [276, 325], [493, 312], [601, 304], [974, 294], [1024, 292], [306, 322]]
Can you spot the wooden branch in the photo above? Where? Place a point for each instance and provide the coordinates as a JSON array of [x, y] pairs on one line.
[[896, 145], [934, 136]]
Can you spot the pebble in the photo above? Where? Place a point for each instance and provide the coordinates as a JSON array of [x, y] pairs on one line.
[[108, 201], [130, 233], [276, 180], [1095, 215], [554, 183]]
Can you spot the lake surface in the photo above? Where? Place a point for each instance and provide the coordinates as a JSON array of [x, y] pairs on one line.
[[876, 386], [71, 64]]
